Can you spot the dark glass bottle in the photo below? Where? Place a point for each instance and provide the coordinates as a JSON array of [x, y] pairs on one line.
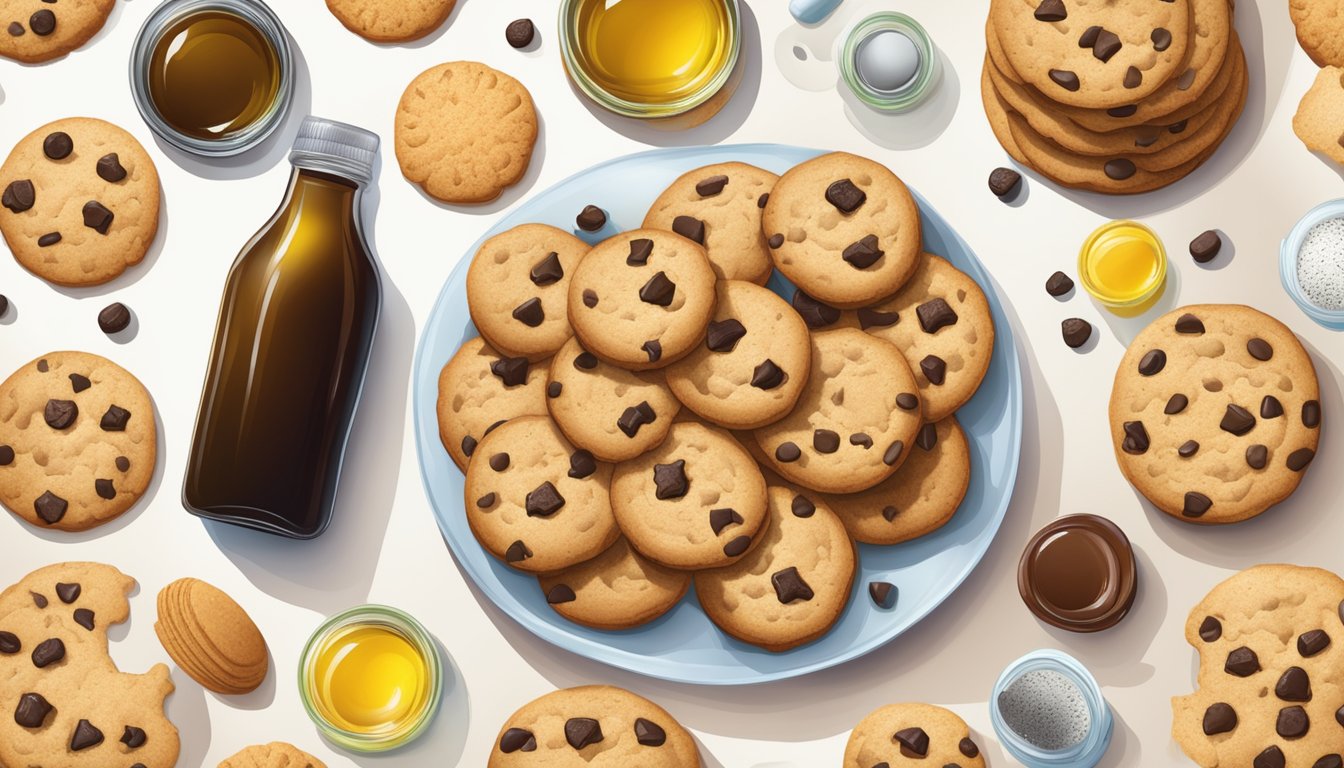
[[291, 348]]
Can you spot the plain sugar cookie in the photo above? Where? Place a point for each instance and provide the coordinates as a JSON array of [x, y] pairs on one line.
[[398, 21]]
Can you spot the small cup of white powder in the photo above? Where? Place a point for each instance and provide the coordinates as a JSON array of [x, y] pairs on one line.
[[1311, 264], [1048, 711]]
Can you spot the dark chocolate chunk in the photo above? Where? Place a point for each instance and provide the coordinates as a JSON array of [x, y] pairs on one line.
[[84, 618], [4, 304], [1002, 181], [511, 370], [723, 335], [591, 218], [1161, 39], [883, 593], [487, 501], [10, 643], [585, 361], [554, 389], [1089, 37], [530, 313], [19, 196], [1299, 459], [1260, 349], [42, 23], [57, 145], [1196, 504], [1076, 332], [935, 315], [543, 501], [762, 200], [690, 228], [1058, 284], [670, 481], [722, 518], [1178, 126], [123, 463], [1119, 169], [1188, 448], [581, 732], [114, 318], [814, 313], [861, 439], [907, 401], [914, 742], [109, 168], [873, 318], [134, 737], [968, 748], [862, 254], [635, 417], [517, 740], [548, 271], [711, 186], [581, 464], [561, 593], [1153, 362], [927, 437], [641, 249], [32, 710], [48, 652], [845, 196], [1136, 440], [85, 736], [39, 600], [50, 507], [79, 383], [825, 441], [1237, 420], [1126, 111], [68, 593], [60, 414], [737, 546], [6, 455], [1065, 79], [1176, 404], [468, 445], [1312, 642], [788, 452], [517, 552], [1219, 718], [1133, 77], [1210, 630], [1292, 722], [893, 453], [520, 33], [16, 29], [97, 217], [589, 298], [1329, 761], [1051, 10], [658, 290], [654, 349], [1205, 247], [1293, 685], [890, 513], [775, 241], [1242, 662], [1270, 757], [1189, 324], [934, 369], [1311, 414], [499, 462], [789, 586], [767, 375], [801, 506], [647, 732], [1257, 456]]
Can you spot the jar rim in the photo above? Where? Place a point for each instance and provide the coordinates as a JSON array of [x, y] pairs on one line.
[[1087, 751], [1290, 252], [908, 96]]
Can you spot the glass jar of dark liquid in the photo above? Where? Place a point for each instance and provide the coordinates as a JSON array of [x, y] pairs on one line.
[[291, 348]]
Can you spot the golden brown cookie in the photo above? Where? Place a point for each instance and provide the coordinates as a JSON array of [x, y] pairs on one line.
[[1319, 121], [480, 389], [41, 30], [1320, 29], [912, 736], [277, 754], [618, 589], [211, 637], [398, 21]]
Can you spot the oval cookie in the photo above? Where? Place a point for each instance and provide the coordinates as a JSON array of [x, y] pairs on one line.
[[37, 31], [618, 589], [480, 389], [395, 22]]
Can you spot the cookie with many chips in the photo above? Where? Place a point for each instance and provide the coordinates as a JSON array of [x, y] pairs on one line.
[[479, 389], [719, 206]]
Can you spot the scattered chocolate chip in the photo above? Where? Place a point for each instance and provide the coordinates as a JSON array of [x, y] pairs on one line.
[[814, 313], [1065, 79], [1292, 722], [546, 272], [1176, 404], [649, 733], [861, 439], [68, 593], [97, 217], [654, 349], [737, 546], [581, 464], [487, 501], [589, 298], [499, 462], [114, 318], [1299, 459], [48, 652], [1293, 685], [1153, 362], [724, 335], [690, 228], [561, 593], [767, 375], [934, 369], [110, 169], [762, 200], [50, 507], [123, 463], [60, 414], [468, 445], [57, 145], [19, 196], [133, 737], [883, 593], [789, 586], [530, 313], [1051, 10], [10, 643], [1133, 77], [775, 241], [16, 29], [520, 33], [554, 389], [711, 186], [788, 452], [907, 401], [1260, 349], [1058, 284], [1188, 448], [517, 740], [544, 501], [862, 254], [1161, 39], [658, 290], [635, 417], [1311, 414], [670, 480], [1076, 332], [1219, 718], [722, 518], [1002, 181], [1205, 247], [1196, 504], [1120, 168], [1089, 37], [872, 318], [517, 552], [914, 742], [84, 618], [968, 748], [32, 710], [927, 437], [591, 218], [935, 315], [845, 196], [825, 441], [585, 361], [1210, 630], [893, 453], [42, 23], [1237, 420], [512, 371], [4, 304], [581, 732], [1126, 111], [1313, 642], [1270, 757], [79, 383]]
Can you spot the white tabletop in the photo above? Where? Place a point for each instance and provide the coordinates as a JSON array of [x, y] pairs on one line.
[[384, 546]]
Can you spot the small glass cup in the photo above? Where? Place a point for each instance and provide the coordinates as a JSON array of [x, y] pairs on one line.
[[912, 93], [411, 631], [1289, 250], [1123, 306], [1086, 753]]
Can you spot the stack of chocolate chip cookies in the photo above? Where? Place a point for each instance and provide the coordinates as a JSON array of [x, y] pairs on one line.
[[644, 413], [1118, 98]]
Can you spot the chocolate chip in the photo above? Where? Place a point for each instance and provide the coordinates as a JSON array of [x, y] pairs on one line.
[[893, 453], [1188, 448], [60, 414], [581, 732], [1002, 181], [1237, 420], [825, 441], [1293, 685], [114, 318], [109, 168], [79, 383], [653, 349], [487, 501], [670, 480], [561, 593], [32, 710], [649, 733], [1126, 111], [737, 546], [1329, 761], [1065, 79], [581, 464], [97, 217], [968, 748], [1136, 440], [1205, 247], [1219, 718], [724, 335], [123, 463], [789, 586], [1178, 126], [1089, 37], [50, 507], [85, 736], [1161, 39], [1176, 404], [801, 506], [872, 318], [49, 239], [4, 304], [775, 240], [468, 445], [862, 254], [6, 455], [16, 29], [935, 315], [516, 553], [84, 618], [1311, 414], [1058, 284], [883, 593], [520, 33], [42, 23], [530, 313], [1051, 10], [927, 437], [512, 371], [890, 513], [589, 298], [1299, 459], [585, 361], [19, 196], [68, 593], [658, 290], [1270, 757], [517, 740], [767, 375], [690, 228], [722, 518], [548, 271], [591, 218], [48, 652], [1119, 169], [1153, 362], [1313, 642], [907, 401], [1189, 324], [1076, 332], [1292, 723], [544, 501], [9, 643], [58, 145], [788, 452], [914, 742], [711, 186], [640, 250], [635, 417], [845, 196], [554, 389], [814, 313], [1339, 715], [499, 462], [1133, 77], [133, 737], [1196, 504], [39, 600], [1210, 630], [762, 200], [934, 369], [1257, 456], [1260, 349]]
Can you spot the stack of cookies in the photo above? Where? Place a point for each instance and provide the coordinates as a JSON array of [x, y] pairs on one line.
[[645, 413], [1119, 98]]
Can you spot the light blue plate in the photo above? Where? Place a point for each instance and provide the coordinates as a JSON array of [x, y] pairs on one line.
[[683, 645]]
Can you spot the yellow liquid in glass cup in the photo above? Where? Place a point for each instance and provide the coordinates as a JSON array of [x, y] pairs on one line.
[[1123, 265]]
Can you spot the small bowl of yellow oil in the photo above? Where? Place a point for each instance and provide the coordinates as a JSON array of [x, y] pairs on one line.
[[1123, 265], [371, 678], [652, 58]]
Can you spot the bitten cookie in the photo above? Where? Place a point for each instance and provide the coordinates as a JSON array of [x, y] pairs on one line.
[[395, 22], [793, 586], [719, 206], [535, 501], [920, 498], [80, 201], [1319, 121], [464, 132], [642, 299], [843, 228], [614, 413], [1215, 413], [594, 726], [697, 501], [41, 30], [211, 637], [480, 389], [753, 363], [618, 589], [70, 705], [518, 289], [277, 754], [912, 736], [855, 421], [1270, 658], [1320, 29], [78, 441]]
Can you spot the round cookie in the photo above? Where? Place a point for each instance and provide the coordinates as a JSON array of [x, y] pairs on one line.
[[1215, 413], [854, 424], [719, 206], [80, 201], [399, 21], [920, 498], [1320, 29], [480, 389], [843, 228], [518, 289], [613, 413], [78, 441], [1320, 115], [618, 589], [793, 586], [535, 501], [277, 754], [697, 501], [642, 299], [464, 132], [912, 736], [593, 726], [39, 30], [754, 362], [1094, 53], [1270, 657]]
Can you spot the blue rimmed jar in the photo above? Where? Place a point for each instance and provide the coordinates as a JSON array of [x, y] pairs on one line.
[[1290, 250], [1085, 753]]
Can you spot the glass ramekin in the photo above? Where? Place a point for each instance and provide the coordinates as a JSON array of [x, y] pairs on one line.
[[908, 96], [1124, 307], [1288, 253], [1084, 754]]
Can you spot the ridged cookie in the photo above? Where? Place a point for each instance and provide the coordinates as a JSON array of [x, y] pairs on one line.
[[211, 637], [41, 30], [480, 389], [618, 589], [719, 206], [397, 21], [912, 736]]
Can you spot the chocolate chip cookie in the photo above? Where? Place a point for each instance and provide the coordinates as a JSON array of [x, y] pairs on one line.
[[78, 441], [719, 206], [518, 289], [642, 299], [618, 589], [844, 229], [594, 726], [80, 201], [1215, 413], [277, 754], [535, 501], [1270, 653], [912, 736], [42, 30], [696, 501], [480, 389]]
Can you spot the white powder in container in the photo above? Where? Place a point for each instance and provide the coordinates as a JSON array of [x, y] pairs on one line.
[[1047, 709], [1320, 265]]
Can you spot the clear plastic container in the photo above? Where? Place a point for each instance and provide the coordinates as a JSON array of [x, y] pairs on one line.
[[1288, 253], [907, 96], [1084, 754]]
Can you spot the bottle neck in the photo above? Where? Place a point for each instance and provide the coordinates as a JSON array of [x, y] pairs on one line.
[[319, 190]]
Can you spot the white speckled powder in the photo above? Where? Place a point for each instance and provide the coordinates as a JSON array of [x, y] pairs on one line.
[[1320, 265], [1047, 709]]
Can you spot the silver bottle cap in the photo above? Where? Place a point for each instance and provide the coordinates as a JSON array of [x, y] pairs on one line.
[[334, 147]]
